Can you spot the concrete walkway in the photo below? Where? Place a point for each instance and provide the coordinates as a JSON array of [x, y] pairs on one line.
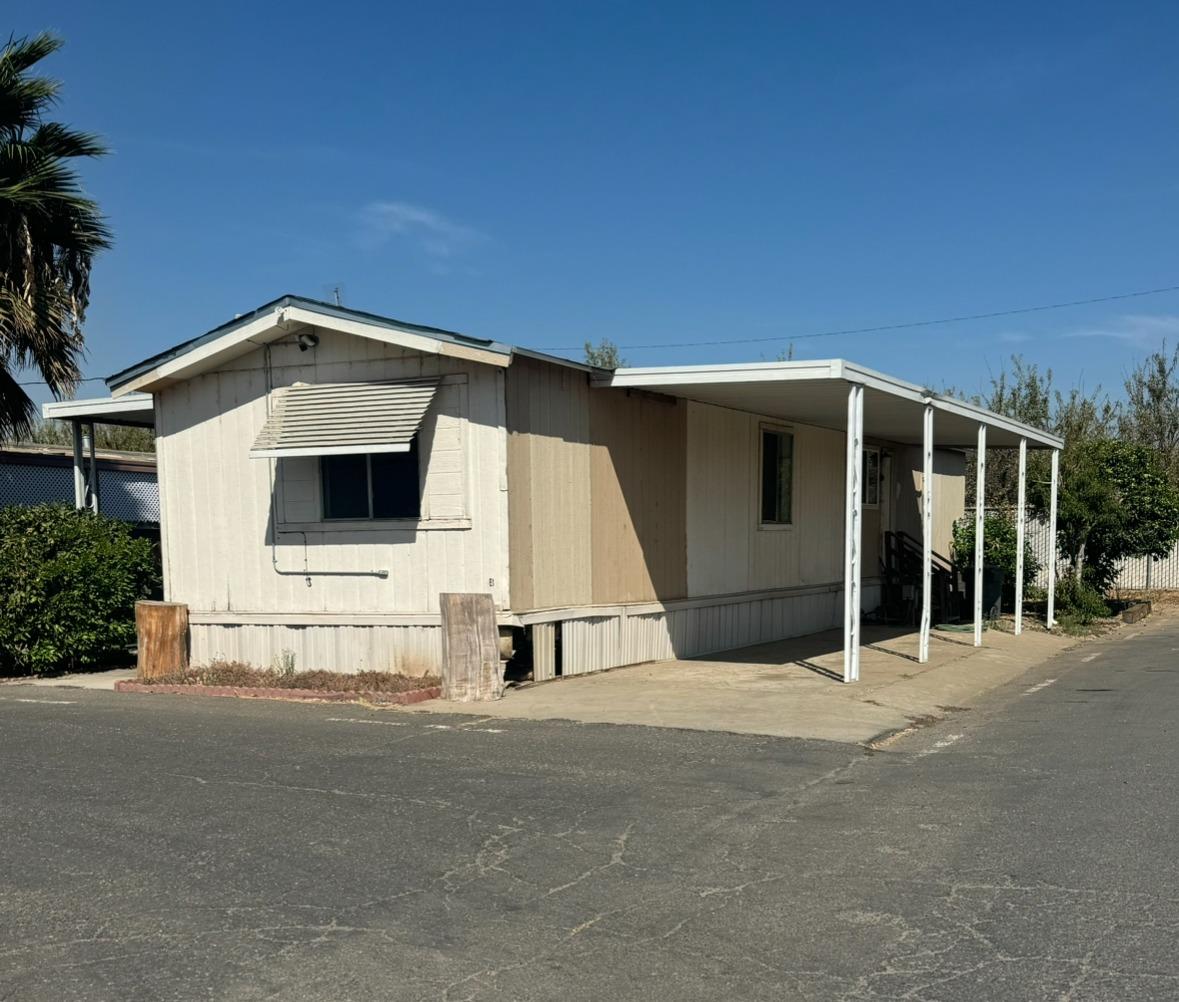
[[787, 688], [77, 680]]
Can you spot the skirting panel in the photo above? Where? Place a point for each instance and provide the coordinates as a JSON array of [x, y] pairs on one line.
[[587, 643], [593, 643], [411, 650]]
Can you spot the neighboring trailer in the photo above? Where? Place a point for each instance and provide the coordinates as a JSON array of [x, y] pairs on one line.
[[39, 474]]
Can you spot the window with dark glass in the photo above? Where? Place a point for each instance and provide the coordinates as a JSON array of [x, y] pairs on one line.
[[870, 492], [777, 476], [380, 485]]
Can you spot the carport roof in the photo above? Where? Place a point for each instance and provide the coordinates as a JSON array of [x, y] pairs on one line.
[[135, 409], [815, 392]]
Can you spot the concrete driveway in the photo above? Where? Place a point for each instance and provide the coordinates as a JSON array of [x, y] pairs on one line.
[[788, 688]]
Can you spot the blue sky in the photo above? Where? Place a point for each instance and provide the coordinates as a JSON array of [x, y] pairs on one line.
[[549, 173]]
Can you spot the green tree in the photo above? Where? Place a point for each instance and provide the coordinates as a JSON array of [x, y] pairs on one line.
[[109, 436], [604, 354], [1150, 416], [1116, 501], [49, 234]]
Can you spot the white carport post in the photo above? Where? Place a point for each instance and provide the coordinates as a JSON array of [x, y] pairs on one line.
[[926, 534], [93, 478], [1020, 512], [1051, 617], [852, 534], [79, 467], [980, 497]]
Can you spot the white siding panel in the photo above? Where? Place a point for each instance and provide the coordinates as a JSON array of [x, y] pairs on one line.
[[218, 525], [728, 551]]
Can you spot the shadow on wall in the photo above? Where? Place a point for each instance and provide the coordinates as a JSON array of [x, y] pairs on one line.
[[949, 497], [638, 479]]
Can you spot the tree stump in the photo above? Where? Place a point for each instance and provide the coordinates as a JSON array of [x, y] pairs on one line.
[[163, 638], [471, 668]]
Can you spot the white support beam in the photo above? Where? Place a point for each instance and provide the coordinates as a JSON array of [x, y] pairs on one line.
[[1051, 619], [92, 480], [980, 501], [926, 535], [1020, 532], [853, 532], [79, 466]]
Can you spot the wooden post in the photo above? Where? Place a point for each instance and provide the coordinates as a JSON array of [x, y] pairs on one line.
[[471, 668], [163, 638]]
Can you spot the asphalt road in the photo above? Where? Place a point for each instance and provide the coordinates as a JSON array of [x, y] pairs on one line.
[[162, 848]]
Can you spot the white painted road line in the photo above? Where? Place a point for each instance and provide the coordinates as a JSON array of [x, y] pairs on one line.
[[365, 720], [1090, 657], [1038, 686], [945, 742], [51, 702]]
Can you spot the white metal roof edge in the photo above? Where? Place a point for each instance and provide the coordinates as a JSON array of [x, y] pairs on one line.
[[654, 377], [951, 405], [95, 407], [186, 357]]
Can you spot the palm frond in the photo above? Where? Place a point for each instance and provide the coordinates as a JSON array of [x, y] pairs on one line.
[[49, 233], [17, 410]]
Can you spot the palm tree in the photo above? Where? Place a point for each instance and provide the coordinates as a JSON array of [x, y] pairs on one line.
[[49, 233]]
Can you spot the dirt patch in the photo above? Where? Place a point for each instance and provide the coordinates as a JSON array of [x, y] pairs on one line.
[[267, 692], [238, 674]]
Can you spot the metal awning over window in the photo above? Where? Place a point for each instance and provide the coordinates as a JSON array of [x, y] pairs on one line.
[[333, 419]]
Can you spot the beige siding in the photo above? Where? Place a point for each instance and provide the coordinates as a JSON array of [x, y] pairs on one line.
[[596, 480], [217, 501], [548, 470], [949, 494], [728, 549], [637, 509]]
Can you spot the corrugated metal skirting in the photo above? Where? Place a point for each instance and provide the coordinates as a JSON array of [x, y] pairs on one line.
[[411, 650], [594, 643], [587, 643]]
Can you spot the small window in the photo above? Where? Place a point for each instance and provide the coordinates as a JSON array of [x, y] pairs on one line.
[[380, 485], [870, 487], [777, 476]]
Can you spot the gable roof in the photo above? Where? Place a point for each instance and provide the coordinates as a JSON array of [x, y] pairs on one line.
[[280, 316], [788, 390]]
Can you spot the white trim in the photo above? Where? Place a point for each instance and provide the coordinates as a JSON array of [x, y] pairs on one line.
[[853, 534], [1050, 619], [926, 534], [803, 371], [1020, 533], [311, 619], [980, 497], [273, 325], [174, 368], [326, 450], [375, 525], [101, 409], [397, 336], [527, 617]]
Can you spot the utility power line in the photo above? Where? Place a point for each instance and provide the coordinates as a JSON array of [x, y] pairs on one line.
[[884, 328], [879, 329]]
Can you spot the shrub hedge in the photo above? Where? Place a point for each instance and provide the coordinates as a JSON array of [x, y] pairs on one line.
[[69, 581]]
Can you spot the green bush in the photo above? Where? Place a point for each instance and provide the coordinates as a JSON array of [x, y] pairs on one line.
[[69, 581], [999, 549], [1079, 600]]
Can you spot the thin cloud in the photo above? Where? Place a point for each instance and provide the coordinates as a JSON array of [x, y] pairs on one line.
[[437, 237], [1138, 329]]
